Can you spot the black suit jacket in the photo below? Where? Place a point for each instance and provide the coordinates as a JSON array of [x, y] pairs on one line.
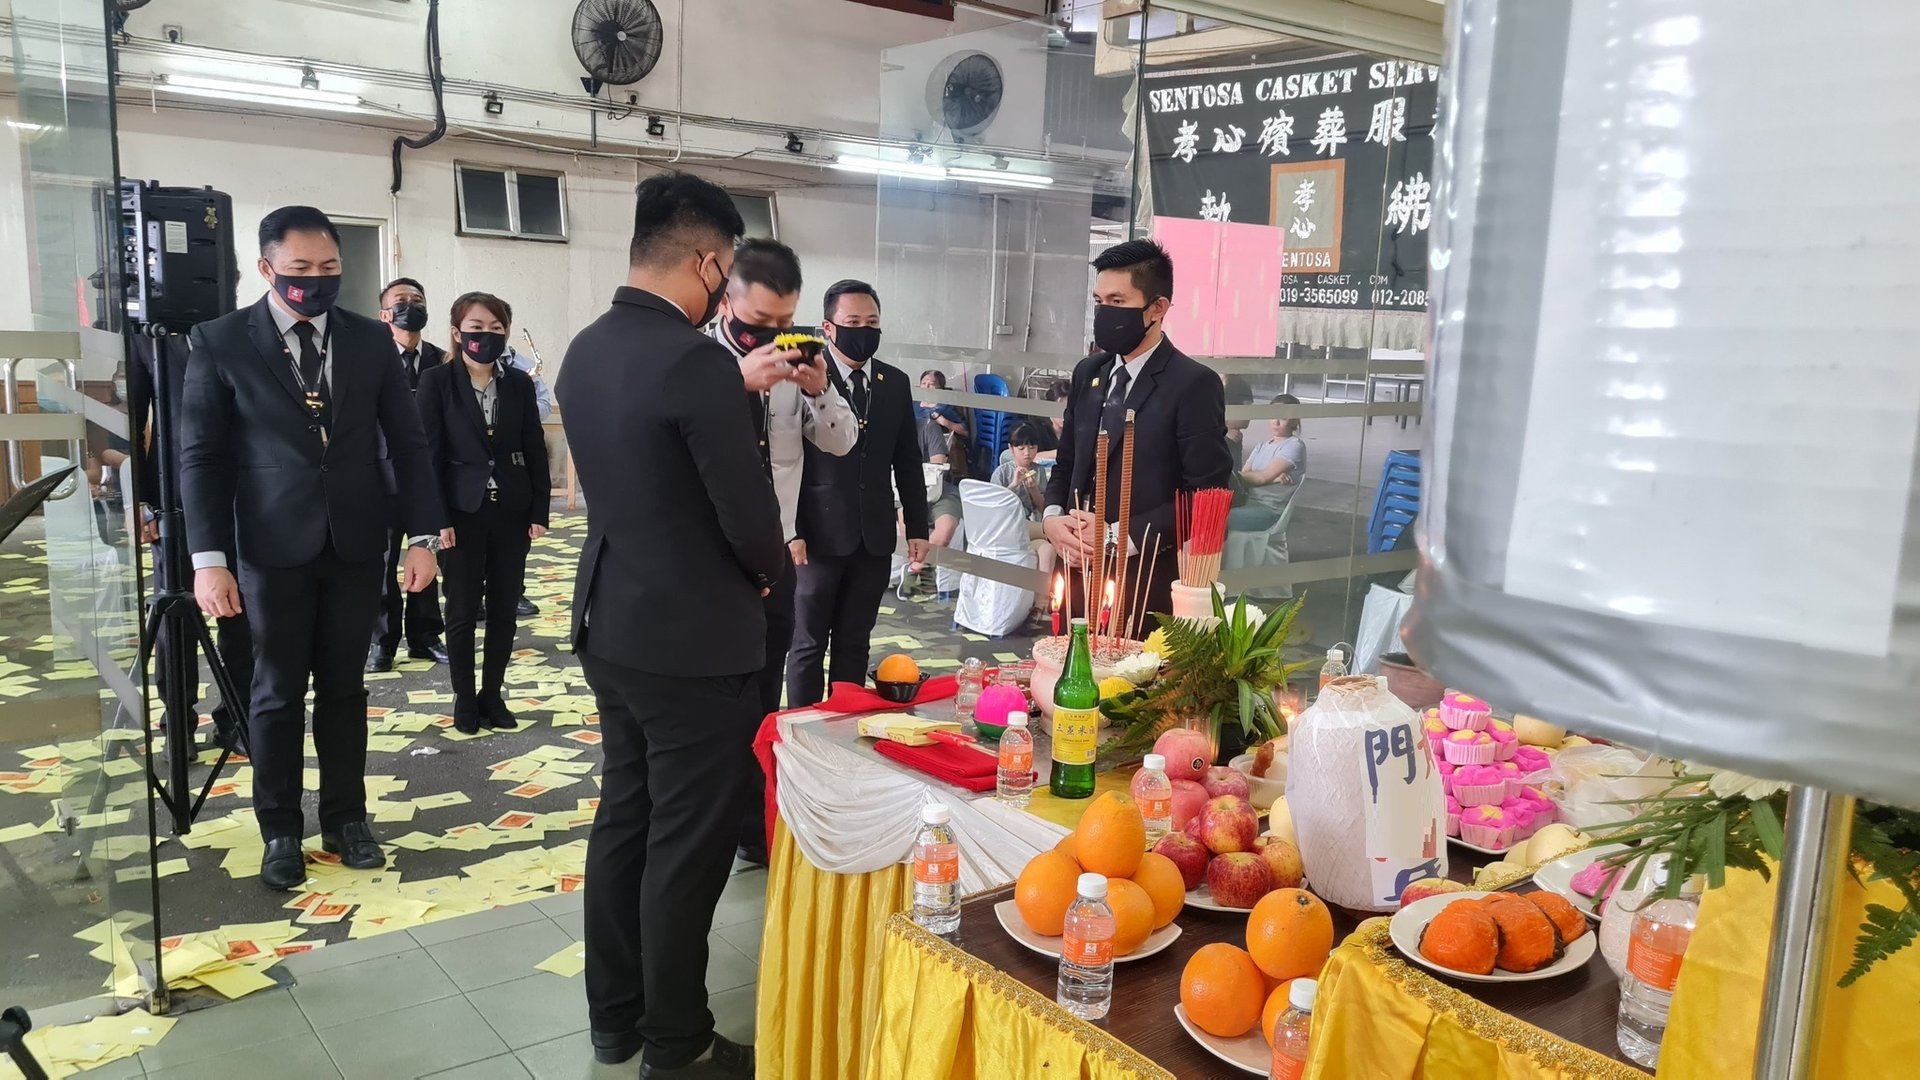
[[1180, 440], [464, 456], [683, 530], [846, 503], [431, 356], [252, 467]]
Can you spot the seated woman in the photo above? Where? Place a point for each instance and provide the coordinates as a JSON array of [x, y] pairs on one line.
[[1022, 474], [482, 422], [1274, 471], [942, 419]]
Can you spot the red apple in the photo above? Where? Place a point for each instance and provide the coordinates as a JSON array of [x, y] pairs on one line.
[[1188, 798], [1223, 780], [1188, 854], [1238, 879], [1229, 824], [1425, 887], [1283, 862], [1194, 828], [1187, 752]]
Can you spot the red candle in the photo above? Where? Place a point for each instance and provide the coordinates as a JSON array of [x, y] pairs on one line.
[[1059, 599], [1106, 609]]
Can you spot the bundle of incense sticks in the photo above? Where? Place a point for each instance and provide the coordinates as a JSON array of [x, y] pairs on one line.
[[1123, 523], [1201, 518], [1102, 446]]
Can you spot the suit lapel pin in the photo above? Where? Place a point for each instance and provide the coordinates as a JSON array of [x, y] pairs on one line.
[[1095, 384], [879, 375]]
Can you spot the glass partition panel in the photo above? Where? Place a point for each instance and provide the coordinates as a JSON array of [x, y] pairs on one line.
[[77, 896]]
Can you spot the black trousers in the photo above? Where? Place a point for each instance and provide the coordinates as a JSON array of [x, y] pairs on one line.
[[672, 780], [309, 620], [422, 609], [772, 679], [836, 602], [232, 637], [487, 563]]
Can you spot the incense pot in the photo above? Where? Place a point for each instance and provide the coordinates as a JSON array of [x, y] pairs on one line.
[[1050, 658], [1195, 601]]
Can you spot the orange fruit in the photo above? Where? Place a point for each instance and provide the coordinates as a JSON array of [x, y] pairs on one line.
[[1161, 878], [1065, 847], [1290, 933], [1111, 837], [1222, 991], [1047, 887], [898, 668], [1132, 915], [1276, 1004]]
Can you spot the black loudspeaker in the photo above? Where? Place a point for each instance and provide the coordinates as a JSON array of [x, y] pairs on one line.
[[177, 248]]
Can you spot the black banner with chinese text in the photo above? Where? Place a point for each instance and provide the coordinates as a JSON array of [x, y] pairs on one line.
[[1337, 151]]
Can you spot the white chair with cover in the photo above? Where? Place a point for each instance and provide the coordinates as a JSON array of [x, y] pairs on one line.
[[996, 526], [1267, 547]]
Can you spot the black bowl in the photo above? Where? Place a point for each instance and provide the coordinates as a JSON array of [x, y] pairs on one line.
[[900, 693]]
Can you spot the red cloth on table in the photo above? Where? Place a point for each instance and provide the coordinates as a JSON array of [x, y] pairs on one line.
[[957, 765], [846, 698]]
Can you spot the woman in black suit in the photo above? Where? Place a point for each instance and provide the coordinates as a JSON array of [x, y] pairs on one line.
[[483, 428]]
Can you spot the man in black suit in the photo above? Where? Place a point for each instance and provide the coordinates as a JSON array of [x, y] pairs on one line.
[[846, 503], [295, 417], [683, 541], [1180, 420], [403, 307]]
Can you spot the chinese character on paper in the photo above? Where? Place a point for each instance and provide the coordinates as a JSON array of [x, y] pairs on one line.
[[1389, 121], [1212, 209], [1302, 226], [1411, 205], [1187, 142], [1332, 132], [1274, 133], [1228, 140]]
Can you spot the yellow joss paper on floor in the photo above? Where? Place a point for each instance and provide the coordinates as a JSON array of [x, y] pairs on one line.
[[235, 981], [566, 963]]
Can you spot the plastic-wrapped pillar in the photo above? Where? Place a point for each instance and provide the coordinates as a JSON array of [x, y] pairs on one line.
[[1670, 496]]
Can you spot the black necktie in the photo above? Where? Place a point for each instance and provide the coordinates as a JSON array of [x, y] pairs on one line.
[[860, 393], [412, 357], [310, 358], [760, 429], [1115, 413]]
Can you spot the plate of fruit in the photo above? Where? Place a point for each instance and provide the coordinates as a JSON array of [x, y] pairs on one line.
[[1231, 997], [1225, 861], [1144, 890], [1494, 937]]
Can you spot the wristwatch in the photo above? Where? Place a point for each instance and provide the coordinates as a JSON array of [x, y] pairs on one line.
[[431, 543]]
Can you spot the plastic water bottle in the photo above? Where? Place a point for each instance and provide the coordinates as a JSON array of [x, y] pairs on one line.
[[1655, 947], [1014, 780], [1153, 794], [936, 871], [1291, 1029], [1086, 952], [1335, 667], [969, 682]]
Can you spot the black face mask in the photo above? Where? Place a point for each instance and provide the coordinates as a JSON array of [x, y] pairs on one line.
[[857, 343], [308, 296], [713, 299], [409, 317], [748, 336], [1119, 330], [482, 348]]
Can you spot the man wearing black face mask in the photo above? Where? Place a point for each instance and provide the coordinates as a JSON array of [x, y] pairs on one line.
[[683, 543], [295, 420], [403, 307], [846, 503], [1180, 421]]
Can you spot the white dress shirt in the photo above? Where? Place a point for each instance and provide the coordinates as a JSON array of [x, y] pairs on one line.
[[794, 419]]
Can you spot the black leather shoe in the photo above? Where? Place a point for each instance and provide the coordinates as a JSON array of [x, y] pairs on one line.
[[284, 866], [615, 1047], [355, 845], [494, 710], [379, 660], [752, 855], [725, 1058], [466, 715], [525, 608], [229, 732], [433, 651]]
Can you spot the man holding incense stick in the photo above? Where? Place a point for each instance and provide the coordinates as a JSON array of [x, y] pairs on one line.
[[1178, 434]]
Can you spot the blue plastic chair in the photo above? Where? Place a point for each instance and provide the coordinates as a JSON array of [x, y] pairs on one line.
[[991, 429], [1396, 502]]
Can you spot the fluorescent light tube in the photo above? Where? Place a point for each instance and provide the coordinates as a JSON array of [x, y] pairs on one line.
[[880, 167], [1000, 176], [262, 93]]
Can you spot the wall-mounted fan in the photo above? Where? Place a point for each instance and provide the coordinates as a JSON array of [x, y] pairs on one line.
[[617, 41], [964, 93]]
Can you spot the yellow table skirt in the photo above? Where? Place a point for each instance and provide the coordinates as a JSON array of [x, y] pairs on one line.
[[1380, 1018], [946, 1014], [819, 963]]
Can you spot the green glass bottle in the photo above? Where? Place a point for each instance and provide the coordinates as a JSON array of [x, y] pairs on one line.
[[1076, 721]]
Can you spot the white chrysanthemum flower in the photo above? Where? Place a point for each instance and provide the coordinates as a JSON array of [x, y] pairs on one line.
[[1727, 784], [1138, 669]]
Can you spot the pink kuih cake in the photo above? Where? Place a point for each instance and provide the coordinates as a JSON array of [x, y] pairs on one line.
[[1466, 747], [1479, 785], [1504, 744], [1464, 712], [1486, 827], [1453, 816]]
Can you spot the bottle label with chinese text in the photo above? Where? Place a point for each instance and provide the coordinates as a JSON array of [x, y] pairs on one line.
[[937, 864], [1076, 735]]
